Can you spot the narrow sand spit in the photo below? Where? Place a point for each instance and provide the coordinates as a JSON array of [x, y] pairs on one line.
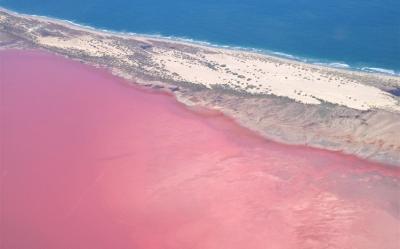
[[284, 100], [242, 71]]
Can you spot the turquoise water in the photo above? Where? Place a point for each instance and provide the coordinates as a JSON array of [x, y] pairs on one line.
[[355, 33]]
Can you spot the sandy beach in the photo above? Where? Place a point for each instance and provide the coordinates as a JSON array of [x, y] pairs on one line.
[[337, 109]]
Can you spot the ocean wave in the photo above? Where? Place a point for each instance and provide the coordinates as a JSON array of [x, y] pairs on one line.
[[290, 56], [267, 52], [379, 70], [334, 64]]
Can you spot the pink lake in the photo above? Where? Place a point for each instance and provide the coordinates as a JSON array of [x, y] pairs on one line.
[[90, 162]]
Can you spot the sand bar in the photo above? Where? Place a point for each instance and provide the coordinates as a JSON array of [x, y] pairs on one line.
[[282, 99]]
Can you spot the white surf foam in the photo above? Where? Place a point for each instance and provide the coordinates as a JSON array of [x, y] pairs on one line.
[[379, 70], [210, 44]]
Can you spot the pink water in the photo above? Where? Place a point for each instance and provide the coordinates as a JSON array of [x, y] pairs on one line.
[[89, 162]]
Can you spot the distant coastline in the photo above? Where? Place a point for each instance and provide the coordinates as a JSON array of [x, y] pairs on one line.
[[279, 54]]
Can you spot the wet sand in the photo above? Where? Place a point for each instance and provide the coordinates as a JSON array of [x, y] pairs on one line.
[[90, 162]]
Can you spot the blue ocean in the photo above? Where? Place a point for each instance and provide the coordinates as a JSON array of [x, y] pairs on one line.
[[356, 33]]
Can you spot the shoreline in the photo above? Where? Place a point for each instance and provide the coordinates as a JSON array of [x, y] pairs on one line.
[[390, 170], [317, 115], [124, 160], [310, 61]]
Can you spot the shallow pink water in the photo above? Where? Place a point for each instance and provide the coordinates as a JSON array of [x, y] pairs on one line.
[[89, 162]]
